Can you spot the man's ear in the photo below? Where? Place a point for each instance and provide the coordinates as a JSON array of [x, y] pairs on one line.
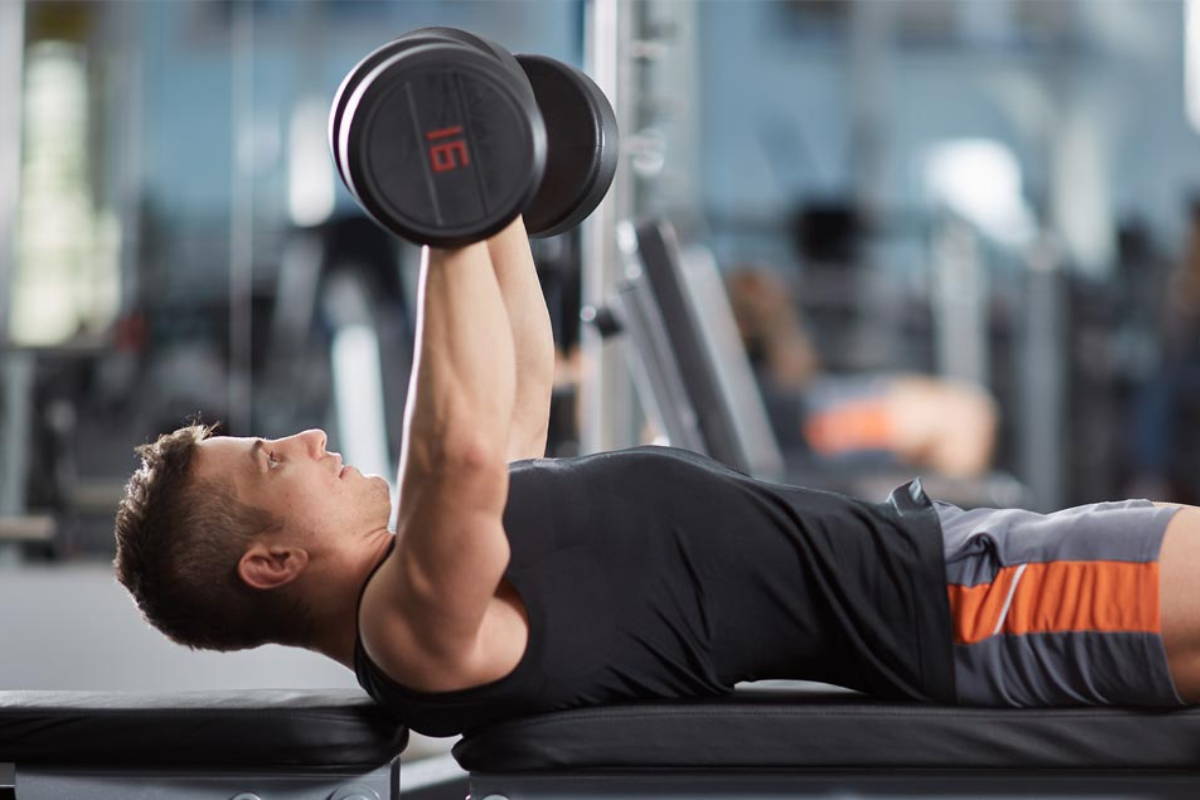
[[269, 566]]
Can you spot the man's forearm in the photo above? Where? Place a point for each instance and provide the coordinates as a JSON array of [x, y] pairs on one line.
[[463, 385], [532, 336]]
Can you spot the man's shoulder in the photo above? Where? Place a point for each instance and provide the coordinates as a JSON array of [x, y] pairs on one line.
[[402, 641]]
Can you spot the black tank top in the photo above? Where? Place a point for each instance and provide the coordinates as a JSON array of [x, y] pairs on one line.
[[657, 573]]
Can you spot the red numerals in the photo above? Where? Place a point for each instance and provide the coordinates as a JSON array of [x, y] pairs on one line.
[[448, 155]]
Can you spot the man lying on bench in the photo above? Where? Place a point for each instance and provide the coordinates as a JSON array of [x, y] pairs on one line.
[[516, 584]]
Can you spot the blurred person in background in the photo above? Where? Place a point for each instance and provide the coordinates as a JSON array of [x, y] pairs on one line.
[[920, 421]]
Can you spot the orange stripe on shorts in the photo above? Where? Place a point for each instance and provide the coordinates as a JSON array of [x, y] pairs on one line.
[[1058, 596]]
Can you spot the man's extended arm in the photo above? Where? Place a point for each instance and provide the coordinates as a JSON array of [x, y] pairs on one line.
[[533, 340], [451, 550]]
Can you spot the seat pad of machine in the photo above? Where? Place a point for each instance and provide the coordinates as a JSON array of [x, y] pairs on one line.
[[327, 729], [823, 729]]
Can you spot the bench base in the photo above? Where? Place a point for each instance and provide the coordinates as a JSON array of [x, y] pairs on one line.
[[998, 785], [45, 782]]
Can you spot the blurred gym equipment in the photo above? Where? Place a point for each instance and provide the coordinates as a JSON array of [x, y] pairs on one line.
[[693, 376]]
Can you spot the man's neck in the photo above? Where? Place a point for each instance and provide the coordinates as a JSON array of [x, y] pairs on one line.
[[337, 628]]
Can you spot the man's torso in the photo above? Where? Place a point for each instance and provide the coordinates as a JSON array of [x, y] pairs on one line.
[[658, 573]]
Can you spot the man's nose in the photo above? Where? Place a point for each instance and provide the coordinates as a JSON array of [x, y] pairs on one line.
[[314, 440]]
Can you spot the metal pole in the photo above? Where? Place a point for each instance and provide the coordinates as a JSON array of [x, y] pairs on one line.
[[125, 22], [16, 404], [241, 217], [960, 312], [16, 369], [606, 391], [1041, 378], [12, 59], [871, 25]]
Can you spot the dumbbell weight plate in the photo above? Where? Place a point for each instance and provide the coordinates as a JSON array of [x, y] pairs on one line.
[[380, 54], [355, 75], [581, 158], [441, 145], [480, 43]]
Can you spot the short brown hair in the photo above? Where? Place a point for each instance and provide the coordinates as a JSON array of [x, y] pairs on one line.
[[179, 541]]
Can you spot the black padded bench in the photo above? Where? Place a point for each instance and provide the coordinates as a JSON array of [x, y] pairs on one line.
[[757, 743], [334, 745], [771, 744]]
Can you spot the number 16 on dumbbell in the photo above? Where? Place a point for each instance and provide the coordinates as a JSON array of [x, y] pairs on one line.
[[445, 137], [445, 156]]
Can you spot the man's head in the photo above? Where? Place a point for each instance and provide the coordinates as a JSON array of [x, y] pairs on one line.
[[227, 543]]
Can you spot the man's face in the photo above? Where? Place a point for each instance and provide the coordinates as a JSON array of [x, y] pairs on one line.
[[298, 481]]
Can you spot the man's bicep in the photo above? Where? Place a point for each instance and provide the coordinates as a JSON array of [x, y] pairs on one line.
[[451, 553]]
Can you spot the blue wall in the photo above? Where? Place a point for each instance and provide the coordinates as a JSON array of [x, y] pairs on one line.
[[1122, 70]]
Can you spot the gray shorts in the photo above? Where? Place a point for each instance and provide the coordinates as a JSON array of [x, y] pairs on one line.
[[1057, 609]]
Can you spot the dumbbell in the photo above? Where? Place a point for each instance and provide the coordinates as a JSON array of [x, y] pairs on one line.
[[444, 137]]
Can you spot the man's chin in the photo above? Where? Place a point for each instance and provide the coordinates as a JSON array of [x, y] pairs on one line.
[[384, 487]]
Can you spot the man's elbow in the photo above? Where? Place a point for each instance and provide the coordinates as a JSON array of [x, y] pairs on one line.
[[435, 450]]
